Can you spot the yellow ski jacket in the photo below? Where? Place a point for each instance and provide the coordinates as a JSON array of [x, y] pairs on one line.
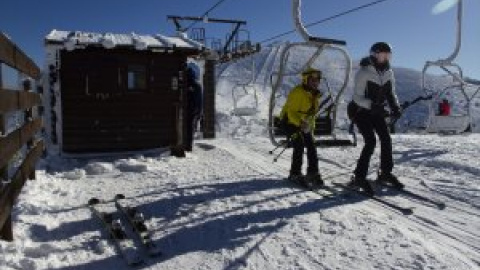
[[301, 105]]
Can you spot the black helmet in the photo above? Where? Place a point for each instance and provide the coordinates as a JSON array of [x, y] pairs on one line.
[[380, 47]]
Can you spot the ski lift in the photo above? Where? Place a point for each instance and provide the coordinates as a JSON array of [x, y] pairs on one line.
[[456, 122], [198, 34], [248, 95], [326, 124], [460, 120]]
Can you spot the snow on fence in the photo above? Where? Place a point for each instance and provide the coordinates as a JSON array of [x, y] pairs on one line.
[[11, 101]]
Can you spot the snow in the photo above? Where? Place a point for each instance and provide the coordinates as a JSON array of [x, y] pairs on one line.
[[75, 174], [226, 205], [131, 166], [98, 168], [79, 39]]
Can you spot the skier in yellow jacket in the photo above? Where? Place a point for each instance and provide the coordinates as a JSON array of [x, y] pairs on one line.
[[299, 113]]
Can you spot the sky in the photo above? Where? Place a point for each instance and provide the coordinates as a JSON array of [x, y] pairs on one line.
[[409, 25]]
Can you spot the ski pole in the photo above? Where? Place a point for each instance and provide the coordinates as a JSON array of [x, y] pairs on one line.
[[278, 156], [275, 149]]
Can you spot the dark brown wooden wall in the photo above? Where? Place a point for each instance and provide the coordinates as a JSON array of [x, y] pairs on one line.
[[107, 116]]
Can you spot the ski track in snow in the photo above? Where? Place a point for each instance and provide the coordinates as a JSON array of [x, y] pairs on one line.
[[227, 205]]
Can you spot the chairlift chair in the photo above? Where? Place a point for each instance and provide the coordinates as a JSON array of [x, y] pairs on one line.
[[326, 126], [456, 123]]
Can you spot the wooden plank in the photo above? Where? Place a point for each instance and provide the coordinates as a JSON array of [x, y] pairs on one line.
[[11, 55], [10, 193], [115, 129], [116, 109], [117, 139], [14, 141], [93, 137], [11, 100], [5, 229], [95, 148]]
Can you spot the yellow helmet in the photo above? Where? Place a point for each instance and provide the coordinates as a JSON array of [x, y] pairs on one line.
[[310, 72]]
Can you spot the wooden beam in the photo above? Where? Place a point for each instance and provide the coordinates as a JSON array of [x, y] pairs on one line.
[[14, 141], [28, 116], [209, 100], [10, 192], [6, 231], [11, 55], [11, 100]]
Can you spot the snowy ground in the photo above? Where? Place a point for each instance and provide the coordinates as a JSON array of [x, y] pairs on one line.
[[226, 206]]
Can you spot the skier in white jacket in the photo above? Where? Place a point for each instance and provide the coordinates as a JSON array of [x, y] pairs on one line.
[[374, 87]]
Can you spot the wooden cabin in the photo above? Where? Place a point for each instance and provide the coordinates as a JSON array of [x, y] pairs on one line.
[[116, 92]]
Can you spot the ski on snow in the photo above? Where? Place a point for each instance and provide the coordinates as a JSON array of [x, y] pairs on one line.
[[137, 221], [117, 233], [324, 190], [401, 209], [410, 194]]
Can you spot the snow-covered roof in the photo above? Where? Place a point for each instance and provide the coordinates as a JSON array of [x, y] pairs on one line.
[[78, 40]]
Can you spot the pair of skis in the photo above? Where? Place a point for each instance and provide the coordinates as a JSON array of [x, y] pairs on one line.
[[330, 191], [403, 210], [404, 192], [117, 232]]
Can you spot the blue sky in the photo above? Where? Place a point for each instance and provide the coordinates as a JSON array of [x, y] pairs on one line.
[[408, 25]]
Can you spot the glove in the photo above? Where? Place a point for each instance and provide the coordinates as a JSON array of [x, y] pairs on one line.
[[396, 113]]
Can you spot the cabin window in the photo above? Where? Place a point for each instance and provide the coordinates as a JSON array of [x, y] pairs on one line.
[[137, 77]]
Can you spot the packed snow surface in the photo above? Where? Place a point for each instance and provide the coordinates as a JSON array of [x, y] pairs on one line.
[[227, 205]]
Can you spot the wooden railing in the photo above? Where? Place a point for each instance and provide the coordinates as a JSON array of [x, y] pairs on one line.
[[12, 143]]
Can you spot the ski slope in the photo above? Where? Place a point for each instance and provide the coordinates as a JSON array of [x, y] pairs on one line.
[[227, 205]]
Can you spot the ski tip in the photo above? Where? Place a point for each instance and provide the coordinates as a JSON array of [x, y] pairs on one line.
[[93, 201], [119, 196]]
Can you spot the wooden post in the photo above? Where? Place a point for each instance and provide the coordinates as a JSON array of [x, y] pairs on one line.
[[6, 232], [3, 131], [28, 116], [182, 87], [209, 99]]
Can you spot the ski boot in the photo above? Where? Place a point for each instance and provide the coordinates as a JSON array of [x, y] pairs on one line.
[[298, 179], [361, 183], [388, 179], [314, 180]]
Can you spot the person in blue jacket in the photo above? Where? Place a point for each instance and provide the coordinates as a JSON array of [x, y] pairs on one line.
[[194, 106]]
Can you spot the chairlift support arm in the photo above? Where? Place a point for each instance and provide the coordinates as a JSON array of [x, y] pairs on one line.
[[238, 23]]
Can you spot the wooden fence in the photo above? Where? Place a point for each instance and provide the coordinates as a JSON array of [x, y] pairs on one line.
[[15, 100]]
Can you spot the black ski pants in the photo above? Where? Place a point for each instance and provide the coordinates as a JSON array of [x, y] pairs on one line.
[[299, 141], [368, 124]]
